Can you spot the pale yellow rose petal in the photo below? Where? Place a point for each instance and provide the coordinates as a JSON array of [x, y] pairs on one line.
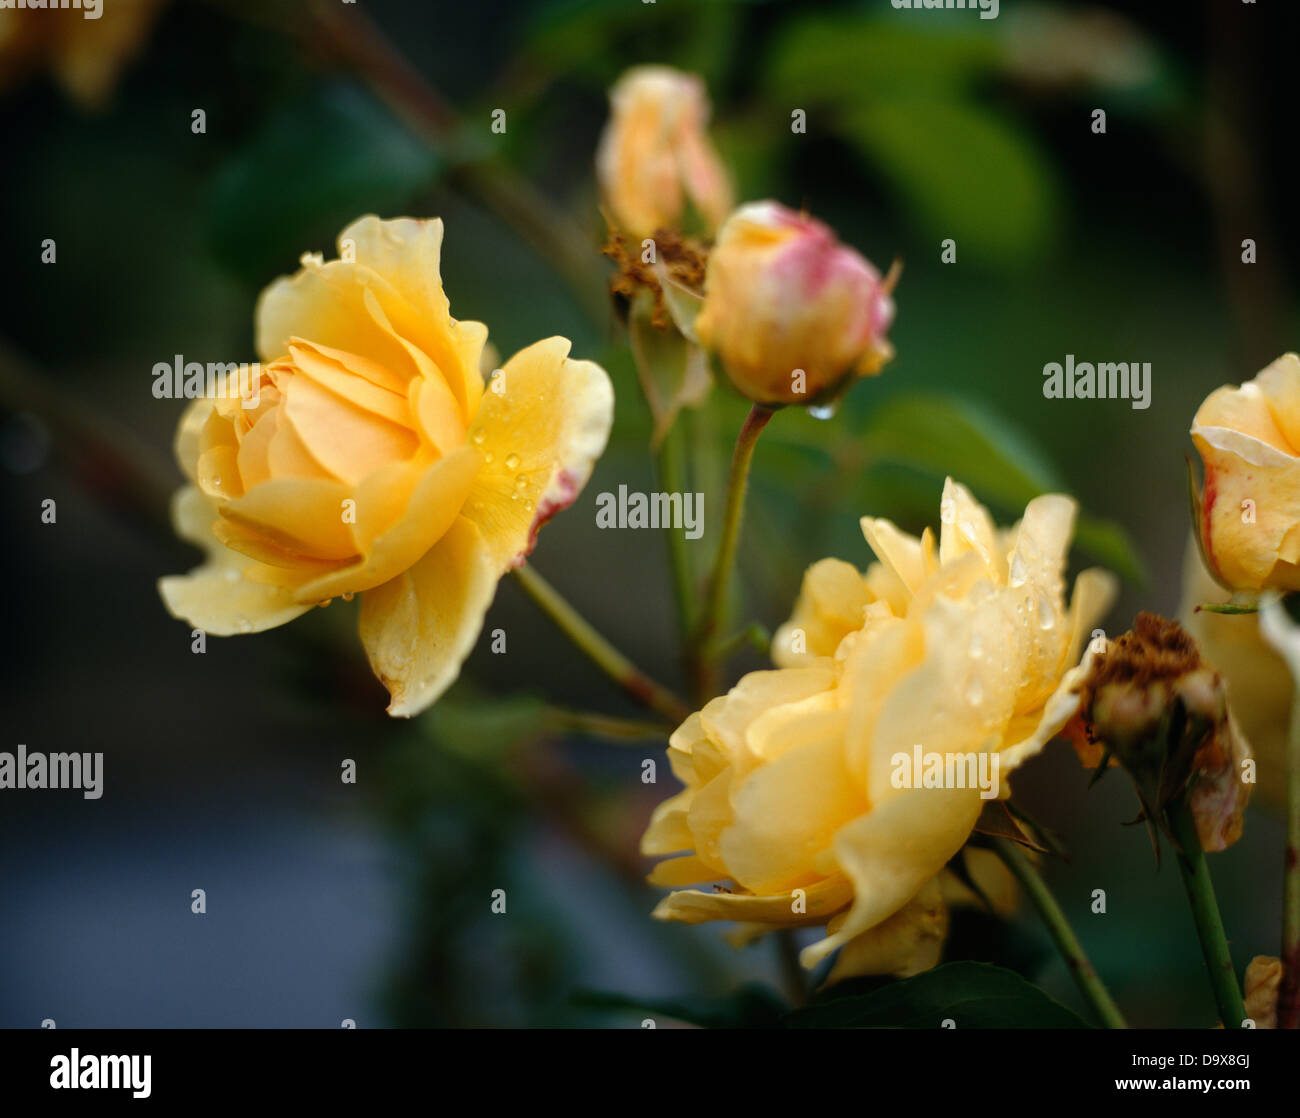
[[215, 596], [896, 550], [418, 628], [965, 525], [831, 602], [909, 942], [788, 810], [890, 854], [812, 905], [1280, 384]]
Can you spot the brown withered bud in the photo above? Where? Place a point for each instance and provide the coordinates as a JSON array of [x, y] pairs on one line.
[[1155, 707]]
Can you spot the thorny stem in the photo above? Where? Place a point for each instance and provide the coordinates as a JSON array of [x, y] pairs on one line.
[[702, 653], [597, 649], [1205, 912], [1058, 927]]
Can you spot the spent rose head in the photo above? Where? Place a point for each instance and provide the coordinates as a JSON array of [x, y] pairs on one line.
[[792, 313]]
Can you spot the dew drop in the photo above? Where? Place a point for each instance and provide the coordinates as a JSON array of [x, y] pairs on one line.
[[349, 595], [478, 437], [489, 457], [521, 482], [1046, 613], [822, 411], [512, 461], [1018, 572], [974, 691]]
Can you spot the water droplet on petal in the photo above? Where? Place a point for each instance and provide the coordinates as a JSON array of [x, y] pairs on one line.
[[975, 691], [512, 462], [1046, 612], [822, 411], [478, 437], [489, 457], [1018, 573], [521, 482], [349, 595]]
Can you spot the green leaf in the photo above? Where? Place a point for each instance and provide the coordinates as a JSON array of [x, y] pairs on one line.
[[314, 165], [751, 1007], [847, 59], [963, 171], [945, 436], [971, 995], [482, 725]]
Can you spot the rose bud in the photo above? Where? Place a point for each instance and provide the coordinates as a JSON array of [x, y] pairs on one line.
[[792, 313], [1158, 709], [1249, 440], [655, 154]]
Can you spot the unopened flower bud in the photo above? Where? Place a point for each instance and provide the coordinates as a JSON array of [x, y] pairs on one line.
[[792, 313], [655, 154]]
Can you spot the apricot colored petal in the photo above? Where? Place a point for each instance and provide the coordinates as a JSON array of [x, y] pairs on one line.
[[300, 515], [215, 596], [544, 433], [418, 628], [436, 501]]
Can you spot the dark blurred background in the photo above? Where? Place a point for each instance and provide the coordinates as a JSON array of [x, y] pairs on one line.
[[372, 901]]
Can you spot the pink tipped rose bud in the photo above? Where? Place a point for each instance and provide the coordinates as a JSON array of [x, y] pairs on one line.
[[791, 312]]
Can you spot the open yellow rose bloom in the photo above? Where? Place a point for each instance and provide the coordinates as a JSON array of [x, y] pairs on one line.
[[790, 797], [376, 460]]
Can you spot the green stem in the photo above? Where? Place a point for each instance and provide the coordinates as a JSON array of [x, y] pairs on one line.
[[597, 649], [1288, 999], [358, 43], [1067, 943], [672, 479], [606, 727], [701, 652], [792, 972], [1205, 912]]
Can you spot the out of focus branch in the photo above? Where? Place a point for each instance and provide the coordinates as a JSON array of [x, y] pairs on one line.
[[108, 459], [349, 36]]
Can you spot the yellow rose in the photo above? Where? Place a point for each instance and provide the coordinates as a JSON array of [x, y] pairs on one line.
[[790, 311], [84, 55], [1249, 440], [655, 153], [793, 791], [375, 460]]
